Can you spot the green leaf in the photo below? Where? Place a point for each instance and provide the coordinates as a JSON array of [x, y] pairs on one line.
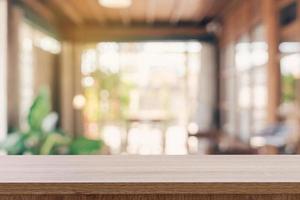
[[53, 140], [14, 143], [82, 146], [40, 108]]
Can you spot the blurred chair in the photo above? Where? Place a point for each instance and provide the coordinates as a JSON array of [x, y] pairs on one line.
[[222, 143]]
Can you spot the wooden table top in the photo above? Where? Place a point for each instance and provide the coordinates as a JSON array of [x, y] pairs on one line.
[[145, 174]]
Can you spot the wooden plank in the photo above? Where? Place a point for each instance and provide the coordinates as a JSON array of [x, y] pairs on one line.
[[164, 10], [151, 197], [82, 9], [144, 169], [194, 10], [205, 8], [112, 14], [96, 11], [68, 10], [138, 11], [178, 11], [228, 8], [151, 11], [142, 11], [148, 188], [41, 9], [125, 16], [150, 177], [218, 7]]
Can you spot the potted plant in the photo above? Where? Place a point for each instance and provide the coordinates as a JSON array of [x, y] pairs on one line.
[[42, 137]]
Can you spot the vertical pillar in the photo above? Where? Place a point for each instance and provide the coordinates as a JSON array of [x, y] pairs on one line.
[[70, 85], [78, 88], [67, 87], [270, 18], [3, 68], [13, 74]]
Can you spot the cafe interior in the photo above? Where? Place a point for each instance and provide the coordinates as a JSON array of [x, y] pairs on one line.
[[149, 77]]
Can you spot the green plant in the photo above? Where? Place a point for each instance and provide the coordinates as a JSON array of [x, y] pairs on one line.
[[43, 138], [288, 88]]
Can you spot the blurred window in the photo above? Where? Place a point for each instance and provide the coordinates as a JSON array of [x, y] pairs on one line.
[[31, 38], [150, 83], [245, 98], [290, 77]]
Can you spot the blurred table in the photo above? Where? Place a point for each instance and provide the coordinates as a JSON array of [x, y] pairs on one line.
[[152, 118]]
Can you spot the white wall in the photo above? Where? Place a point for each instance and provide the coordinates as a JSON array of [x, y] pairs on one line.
[[3, 68]]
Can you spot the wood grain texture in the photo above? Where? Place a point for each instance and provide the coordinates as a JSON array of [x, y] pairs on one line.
[[83, 12], [149, 175], [152, 197]]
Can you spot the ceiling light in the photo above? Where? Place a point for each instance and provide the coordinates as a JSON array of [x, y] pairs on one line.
[[115, 3]]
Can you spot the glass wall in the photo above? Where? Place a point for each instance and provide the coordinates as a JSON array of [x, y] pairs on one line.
[[245, 96], [140, 97]]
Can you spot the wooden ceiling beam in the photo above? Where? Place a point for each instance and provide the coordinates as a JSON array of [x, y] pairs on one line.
[[151, 11], [68, 10], [227, 7], [137, 11], [164, 10], [96, 33], [125, 17], [206, 9], [178, 10], [83, 10], [41, 10], [90, 13], [96, 11]]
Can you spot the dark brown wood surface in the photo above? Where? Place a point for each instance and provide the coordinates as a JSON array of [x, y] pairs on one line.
[[152, 197]]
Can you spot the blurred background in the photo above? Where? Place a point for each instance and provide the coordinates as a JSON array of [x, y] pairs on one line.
[[149, 77]]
